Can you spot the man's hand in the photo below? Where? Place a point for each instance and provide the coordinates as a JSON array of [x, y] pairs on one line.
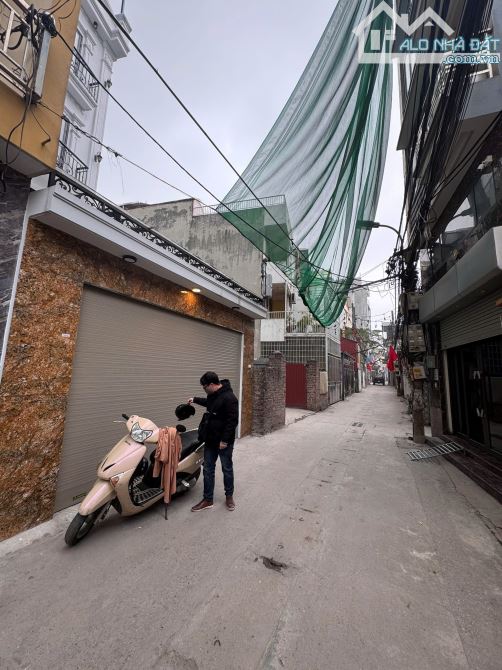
[[190, 401], [223, 445]]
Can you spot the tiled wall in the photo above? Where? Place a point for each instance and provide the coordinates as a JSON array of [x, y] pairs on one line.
[[299, 349], [12, 208]]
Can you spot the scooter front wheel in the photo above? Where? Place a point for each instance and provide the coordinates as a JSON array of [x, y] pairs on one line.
[[80, 527]]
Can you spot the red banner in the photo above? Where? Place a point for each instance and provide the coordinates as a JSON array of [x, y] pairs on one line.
[[392, 359]]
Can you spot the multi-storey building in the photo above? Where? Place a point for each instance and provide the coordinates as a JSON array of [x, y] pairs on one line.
[[361, 307], [33, 76], [100, 43], [452, 138]]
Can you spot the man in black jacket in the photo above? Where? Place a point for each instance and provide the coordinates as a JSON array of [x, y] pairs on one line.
[[217, 429]]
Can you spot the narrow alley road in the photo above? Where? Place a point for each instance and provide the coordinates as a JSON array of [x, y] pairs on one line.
[[388, 565]]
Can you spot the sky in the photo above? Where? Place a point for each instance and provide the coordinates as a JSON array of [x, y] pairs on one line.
[[234, 64]]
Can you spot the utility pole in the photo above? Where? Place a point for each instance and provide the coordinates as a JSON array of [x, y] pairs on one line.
[[418, 412]]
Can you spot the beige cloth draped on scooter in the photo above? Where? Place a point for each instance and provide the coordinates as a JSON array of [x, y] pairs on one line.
[[167, 455]]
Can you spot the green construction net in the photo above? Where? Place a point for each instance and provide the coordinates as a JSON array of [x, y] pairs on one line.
[[316, 178]]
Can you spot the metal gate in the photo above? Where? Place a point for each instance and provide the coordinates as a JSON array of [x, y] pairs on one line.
[[296, 385], [349, 382], [334, 379]]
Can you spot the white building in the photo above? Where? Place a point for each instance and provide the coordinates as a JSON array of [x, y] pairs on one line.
[[361, 308], [100, 43]]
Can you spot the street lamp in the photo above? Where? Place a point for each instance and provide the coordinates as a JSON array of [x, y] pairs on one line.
[[374, 224]]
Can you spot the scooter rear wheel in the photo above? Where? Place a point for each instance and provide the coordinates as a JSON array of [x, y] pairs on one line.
[[80, 527]]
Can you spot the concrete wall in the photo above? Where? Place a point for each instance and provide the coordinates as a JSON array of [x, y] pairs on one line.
[[209, 237], [273, 330]]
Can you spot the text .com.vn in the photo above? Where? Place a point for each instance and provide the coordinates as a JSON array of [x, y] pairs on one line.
[[472, 59]]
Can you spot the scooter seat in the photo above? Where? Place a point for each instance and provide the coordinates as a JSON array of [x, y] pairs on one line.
[[189, 443]]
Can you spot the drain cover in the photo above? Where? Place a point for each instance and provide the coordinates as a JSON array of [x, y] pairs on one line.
[[433, 452]]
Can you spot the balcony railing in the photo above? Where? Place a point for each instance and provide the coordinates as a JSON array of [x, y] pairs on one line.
[[85, 78], [299, 323], [71, 164], [135, 228], [240, 205], [18, 56]]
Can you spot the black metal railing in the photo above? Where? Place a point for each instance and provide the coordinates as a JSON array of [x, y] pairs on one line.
[[71, 164], [83, 75], [123, 218]]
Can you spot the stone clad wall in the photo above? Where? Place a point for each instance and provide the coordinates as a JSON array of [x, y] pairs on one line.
[[38, 367]]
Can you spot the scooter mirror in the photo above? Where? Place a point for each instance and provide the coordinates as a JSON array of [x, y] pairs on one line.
[[180, 428]]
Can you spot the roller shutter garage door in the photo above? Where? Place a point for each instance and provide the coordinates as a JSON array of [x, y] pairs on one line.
[[479, 321], [134, 358]]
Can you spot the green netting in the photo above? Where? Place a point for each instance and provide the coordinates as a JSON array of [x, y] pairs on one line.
[[318, 173]]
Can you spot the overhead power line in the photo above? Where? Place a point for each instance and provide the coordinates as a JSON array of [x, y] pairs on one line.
[[117, 154], [204, 132], [79, 57], [133, 43]]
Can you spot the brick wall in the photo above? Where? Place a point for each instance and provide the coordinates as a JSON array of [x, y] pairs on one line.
[[269, 394], [313, 387]]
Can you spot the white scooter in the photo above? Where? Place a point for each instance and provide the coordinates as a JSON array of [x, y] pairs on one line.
[[125, 477]]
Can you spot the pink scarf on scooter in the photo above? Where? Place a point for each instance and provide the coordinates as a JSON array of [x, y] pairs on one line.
[[167, 456]]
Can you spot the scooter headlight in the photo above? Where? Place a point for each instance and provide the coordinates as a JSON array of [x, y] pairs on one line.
[[138, 434]]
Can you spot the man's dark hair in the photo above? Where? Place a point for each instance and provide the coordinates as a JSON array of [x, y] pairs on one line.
[[209, 378]]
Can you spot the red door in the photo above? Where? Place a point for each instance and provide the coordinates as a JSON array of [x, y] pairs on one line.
[[296, 385]]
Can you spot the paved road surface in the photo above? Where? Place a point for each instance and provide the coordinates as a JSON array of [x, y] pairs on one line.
[[390, 565]]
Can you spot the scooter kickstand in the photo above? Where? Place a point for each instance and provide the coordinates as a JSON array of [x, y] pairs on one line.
[[165, 511]]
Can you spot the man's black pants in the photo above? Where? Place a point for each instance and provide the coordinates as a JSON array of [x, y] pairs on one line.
[[210, 457]]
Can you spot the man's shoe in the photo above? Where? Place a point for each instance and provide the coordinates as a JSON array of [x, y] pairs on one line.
[[204, 504], [230, 503]]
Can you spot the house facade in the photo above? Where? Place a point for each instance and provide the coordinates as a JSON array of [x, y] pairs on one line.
[[29, 75], [108, 317]]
